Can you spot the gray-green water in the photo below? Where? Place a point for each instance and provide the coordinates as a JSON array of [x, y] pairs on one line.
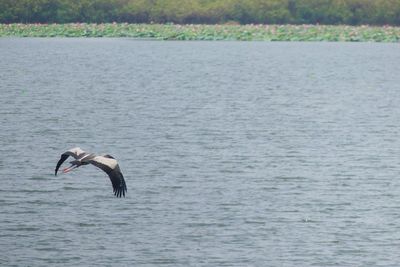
[[234, 153]]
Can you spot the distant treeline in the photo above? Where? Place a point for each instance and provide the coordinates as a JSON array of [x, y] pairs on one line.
[[353, 12]]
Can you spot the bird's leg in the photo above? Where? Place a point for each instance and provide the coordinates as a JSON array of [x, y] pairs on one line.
[[70, 168]]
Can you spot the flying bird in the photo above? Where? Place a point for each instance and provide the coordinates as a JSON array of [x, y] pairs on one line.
[[105, 162]]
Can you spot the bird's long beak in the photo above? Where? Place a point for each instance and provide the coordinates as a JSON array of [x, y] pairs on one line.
[[70, 168]]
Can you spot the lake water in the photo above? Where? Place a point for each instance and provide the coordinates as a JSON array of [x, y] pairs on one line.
[[234, 153]]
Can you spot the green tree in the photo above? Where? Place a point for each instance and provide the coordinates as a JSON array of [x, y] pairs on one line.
[[203, 11]]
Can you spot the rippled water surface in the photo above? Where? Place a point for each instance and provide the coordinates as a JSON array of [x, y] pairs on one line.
[[234, 153]]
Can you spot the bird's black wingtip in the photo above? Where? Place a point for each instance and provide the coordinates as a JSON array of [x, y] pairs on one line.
[[120, 193]]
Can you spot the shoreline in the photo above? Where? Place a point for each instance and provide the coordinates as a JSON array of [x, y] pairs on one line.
[[219, 32]]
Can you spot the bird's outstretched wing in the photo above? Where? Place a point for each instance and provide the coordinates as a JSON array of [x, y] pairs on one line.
[[110, 166], [73, 152]]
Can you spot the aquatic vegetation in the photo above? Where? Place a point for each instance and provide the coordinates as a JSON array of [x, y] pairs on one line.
[[251, 32]]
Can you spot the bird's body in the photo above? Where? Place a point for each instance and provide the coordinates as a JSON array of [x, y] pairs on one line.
[[105, 162]]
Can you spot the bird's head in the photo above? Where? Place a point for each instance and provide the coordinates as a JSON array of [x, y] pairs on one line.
[[74, 164]]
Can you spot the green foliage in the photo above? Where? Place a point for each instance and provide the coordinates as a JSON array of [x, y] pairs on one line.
[[353, 12], [256, 32]]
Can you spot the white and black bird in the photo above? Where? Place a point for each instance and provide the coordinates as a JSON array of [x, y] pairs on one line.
[[105, 162]]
